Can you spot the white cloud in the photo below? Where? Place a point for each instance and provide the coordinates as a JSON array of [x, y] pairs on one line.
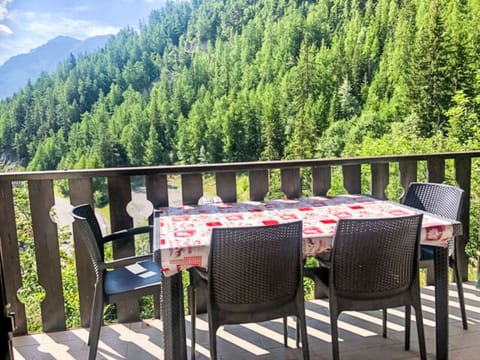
[[5, 30], [81, 8], [51, 25], [3, 8]]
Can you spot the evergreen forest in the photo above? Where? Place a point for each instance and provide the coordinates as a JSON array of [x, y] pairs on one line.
[[241, 80], [206, 81]]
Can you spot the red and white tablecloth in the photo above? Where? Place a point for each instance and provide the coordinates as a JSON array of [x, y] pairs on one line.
[[182, 234]]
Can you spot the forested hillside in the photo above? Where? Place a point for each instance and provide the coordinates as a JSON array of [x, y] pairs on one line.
[[235, 80]]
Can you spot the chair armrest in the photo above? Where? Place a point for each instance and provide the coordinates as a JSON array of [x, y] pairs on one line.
[[324, 260], [198, 277], [123, 261], [127, 232]]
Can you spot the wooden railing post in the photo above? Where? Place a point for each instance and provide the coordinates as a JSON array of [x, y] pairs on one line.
[[47, 254], [157, 190], [291, 183], [226, 186], [380, 178], [259, 184], [352, 178], [119, 195], [408, 174], [157, 193], [11, 258], [321, 180], [81, 192], [463, 170], [436, 170], [192, 188]]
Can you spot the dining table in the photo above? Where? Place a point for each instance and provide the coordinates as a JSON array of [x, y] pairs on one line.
[[182, 234]]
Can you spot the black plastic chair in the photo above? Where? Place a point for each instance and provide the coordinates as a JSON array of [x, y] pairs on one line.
[[444, 200], [374, 265], [254, 274], [121, 279]]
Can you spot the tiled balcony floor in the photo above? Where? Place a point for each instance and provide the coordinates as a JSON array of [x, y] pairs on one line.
[[360, 335]]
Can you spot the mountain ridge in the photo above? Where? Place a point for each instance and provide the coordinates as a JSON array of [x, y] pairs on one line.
[[19, 69]]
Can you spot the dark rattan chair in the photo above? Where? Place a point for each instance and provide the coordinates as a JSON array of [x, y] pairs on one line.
[[254, 274], [374, 265], [444, 200], [121, 279]]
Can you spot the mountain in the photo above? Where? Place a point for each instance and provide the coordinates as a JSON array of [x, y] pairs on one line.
[[15, 72]]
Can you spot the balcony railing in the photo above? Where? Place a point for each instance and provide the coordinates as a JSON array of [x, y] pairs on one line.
[[356, 174]]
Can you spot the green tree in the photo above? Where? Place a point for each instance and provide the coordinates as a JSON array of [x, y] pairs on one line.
[[49, 153], [272, 129], [464, 119], [154, 152], [460, 34], [430, 81]]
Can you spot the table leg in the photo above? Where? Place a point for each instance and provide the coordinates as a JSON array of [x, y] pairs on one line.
[[174, 340], [441, 302]]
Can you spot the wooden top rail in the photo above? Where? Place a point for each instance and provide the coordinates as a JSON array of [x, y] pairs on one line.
[[220, 167]]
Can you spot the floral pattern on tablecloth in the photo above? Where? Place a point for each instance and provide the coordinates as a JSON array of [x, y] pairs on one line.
[[183, 233]]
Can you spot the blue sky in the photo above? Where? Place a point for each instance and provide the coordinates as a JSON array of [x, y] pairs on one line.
[[27, 24]]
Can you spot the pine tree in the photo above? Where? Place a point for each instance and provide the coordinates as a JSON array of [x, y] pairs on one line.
[[272, 128], [430, 81], [460, 34], [154, 153]]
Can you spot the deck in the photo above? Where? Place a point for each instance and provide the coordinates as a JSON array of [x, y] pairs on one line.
[[360, 335]]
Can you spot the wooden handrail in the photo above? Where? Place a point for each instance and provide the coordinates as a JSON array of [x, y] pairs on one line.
[[220, 167]]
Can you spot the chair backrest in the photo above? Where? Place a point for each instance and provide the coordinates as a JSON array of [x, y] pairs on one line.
[[90, 230], [440, 199], [373, 258], [254, 268]]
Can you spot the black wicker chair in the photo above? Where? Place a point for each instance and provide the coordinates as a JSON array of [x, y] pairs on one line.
[[444, 200], [254, 274], [121, 279], [374, 265]]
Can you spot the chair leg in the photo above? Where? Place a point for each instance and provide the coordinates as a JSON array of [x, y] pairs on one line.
[[212, 334], [384, 312], [285, 331], [193, 317], [461, 298], [301, 322], [334, 333], [408, 315], [420, 331], [213, 344], [96, 320], [297, 332]]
